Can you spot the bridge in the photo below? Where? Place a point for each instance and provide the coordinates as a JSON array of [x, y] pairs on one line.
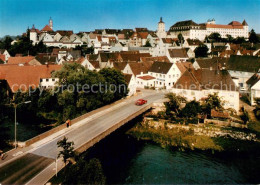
[[36, 163]]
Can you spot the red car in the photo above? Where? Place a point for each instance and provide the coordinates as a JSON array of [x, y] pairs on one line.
[[141, 102]]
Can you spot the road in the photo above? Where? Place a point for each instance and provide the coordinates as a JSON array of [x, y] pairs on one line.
[[37, 162]]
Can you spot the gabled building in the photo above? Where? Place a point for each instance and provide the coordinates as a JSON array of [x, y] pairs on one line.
[[5, 53], [198, 84], [23, 61], [192, 30], [243, 68], [180, 54], [25, 77], [253, 85]]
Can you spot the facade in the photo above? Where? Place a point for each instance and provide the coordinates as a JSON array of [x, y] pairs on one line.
[[47, 83], [254, 88], [198, 84], [161, 33], [165, 74], [192, 30], [145, 81]]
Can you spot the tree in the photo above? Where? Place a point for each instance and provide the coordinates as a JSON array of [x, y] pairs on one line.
[[213, 101], [85, 172], [147, 44], [239, 40], [115, 78], [180, 38], [229, 38], [191, 109], [201, 51], [216, 37], [253, 37], [67, 149], [174, 102]]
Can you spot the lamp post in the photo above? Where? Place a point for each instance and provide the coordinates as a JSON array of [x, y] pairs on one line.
[[15, 124]]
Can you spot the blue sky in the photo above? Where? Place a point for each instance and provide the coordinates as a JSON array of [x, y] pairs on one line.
[[86, 15]]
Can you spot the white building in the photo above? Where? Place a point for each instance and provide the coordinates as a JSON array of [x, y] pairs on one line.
[[192, 30], [161, 33], [131, 84], [166, 74], [254, 88], [49, 82], [198, 84]]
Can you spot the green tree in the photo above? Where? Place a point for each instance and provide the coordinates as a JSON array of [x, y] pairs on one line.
[[215, 37], [201, 51], [180, 38], [253, 37], [116, 82], [191, 109], [229, 38], [174, 102], [239, 40], [67, 149], [85, 172], [213, 101], [147, 44]]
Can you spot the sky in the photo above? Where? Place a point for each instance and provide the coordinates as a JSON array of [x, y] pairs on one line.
[[87, 15]]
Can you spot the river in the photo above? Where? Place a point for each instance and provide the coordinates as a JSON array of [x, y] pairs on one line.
[[128, 161]]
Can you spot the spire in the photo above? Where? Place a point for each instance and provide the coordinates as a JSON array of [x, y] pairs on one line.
[[51, 23], [161, 21], [244, 23]]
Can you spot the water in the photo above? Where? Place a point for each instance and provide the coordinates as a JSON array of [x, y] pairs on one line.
[[25, 131], [128, 161]]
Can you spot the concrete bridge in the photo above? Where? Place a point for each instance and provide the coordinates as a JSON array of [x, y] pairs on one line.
[[36, 163]]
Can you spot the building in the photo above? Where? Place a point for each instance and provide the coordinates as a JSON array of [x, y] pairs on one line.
[[27, 76], [253, 84], [198, 84], [161, 33], [180, 54], [131, 84], [6, 54], [166, 74], [190, 29], [242, 68], [21, 61]]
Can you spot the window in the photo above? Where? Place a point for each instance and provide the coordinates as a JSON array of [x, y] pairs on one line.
[[53, 79], [47, 80], [40, 80]]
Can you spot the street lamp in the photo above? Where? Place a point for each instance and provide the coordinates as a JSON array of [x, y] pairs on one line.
[[15, 106]]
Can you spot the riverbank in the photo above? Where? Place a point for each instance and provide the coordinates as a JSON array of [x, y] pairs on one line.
[[196, 137]]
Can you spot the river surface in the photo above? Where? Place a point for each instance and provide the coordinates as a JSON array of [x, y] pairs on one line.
[[128, 161]]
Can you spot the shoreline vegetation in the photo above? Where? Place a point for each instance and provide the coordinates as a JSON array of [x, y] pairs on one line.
[[186, 140], [176, 124]]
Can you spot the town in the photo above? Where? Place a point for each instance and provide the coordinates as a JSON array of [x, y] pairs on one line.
[[208, 72]]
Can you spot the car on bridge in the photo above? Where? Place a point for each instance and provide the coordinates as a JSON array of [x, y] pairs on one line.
[[141, 102]]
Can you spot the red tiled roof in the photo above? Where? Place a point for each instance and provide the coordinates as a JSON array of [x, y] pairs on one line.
[[2, 57], [218, 114], [22, 77], [232, 25], [147, 77], [20, 60], [47, 28], [183, 66], [157, 59]]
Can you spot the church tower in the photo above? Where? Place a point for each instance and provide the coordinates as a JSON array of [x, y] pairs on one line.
[[161, 33], [51, 23], [33, 35]]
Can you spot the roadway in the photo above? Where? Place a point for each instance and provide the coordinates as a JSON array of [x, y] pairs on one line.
[[35, 163]]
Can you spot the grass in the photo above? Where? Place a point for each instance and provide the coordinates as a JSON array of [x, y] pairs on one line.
[[187, 140], [176, 138], [254, 126]]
